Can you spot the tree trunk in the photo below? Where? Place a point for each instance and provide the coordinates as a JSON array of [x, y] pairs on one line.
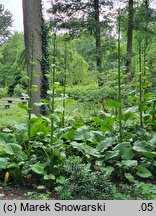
[[98, 42], [129, 42], [32, 18]]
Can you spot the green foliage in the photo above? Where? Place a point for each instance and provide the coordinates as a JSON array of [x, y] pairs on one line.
[[11, 72], [136, 191], [82, 183], [5, 23], [19, 90], [76, 66]]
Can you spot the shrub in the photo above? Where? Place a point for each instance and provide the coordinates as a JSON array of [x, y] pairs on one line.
[[3, 91], [82, 183], [18, 90]]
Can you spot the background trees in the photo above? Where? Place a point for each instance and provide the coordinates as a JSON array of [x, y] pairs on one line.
[[11, 70], [5, 23], [78, 17]]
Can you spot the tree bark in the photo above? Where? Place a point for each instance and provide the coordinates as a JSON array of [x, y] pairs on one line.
[[32, 18], [98, 42], [129, 42]]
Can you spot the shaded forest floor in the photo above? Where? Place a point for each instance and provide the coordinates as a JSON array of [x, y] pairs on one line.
[[18, 193]]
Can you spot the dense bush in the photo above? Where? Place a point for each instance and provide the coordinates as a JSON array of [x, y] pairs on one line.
[[19, 90], [82, 183], [3, 91]]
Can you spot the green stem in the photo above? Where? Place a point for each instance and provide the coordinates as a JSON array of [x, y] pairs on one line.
[[153, 116], [64, 86], [140, 84], [119, 81], [53, 89]]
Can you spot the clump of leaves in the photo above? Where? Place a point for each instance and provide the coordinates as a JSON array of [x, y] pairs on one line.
[[136, 190], [82, 183]]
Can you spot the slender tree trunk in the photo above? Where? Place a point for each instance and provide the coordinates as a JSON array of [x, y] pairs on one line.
[[129, 42], [32, 17], [98, 42]]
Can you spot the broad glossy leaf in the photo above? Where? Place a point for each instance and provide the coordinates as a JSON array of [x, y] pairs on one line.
[[38, 168], [13, 166], [2, 141], [107, 124], [70, 135], [129, 177], [125, 149], [113, 104], [61, 180], [111, 154], [143, 172], [105, 144], [139, 148], [49, 177], [128, 163], [152, 142], [98, 136], [3, 163], [23, 106], [84, 134], [150, 155], [131, 109], [85, 149], [12, 149]]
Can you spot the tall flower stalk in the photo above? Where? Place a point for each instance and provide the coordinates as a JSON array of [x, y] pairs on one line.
[[64, 85], [53, 87], [119, 78]]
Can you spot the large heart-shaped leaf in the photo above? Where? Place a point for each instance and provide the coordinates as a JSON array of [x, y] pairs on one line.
[[98, 136], [105, 144], [84, 134], [12, 149], [125, 149], [86, 149]]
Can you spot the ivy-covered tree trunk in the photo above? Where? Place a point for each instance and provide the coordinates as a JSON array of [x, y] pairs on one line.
[[98, 42], [45, 68], [32, 17], [129, 41]]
